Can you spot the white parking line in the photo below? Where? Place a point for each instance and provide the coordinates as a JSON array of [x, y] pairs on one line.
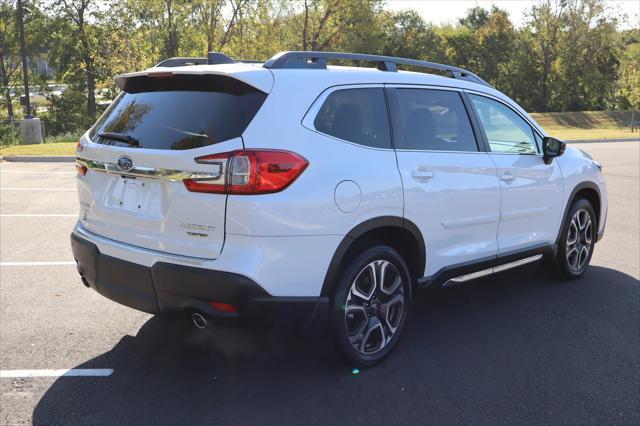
[[38, 215], [37, 263], [37, 189], [69, 372], [35, 172]]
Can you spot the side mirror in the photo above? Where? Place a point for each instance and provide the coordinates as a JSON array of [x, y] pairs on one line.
[[551, 148]]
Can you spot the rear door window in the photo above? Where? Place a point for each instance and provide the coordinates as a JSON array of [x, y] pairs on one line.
[[178, 112], [356, 115], [434, 120]]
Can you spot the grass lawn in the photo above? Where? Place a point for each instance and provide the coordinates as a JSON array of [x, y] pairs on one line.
[[45, 149], [569, 133], [587, 124]]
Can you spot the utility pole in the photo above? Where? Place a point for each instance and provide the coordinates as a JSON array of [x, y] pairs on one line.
[[23, 53]]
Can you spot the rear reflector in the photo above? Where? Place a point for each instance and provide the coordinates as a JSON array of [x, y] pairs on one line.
[[250, 171], [223, 307]]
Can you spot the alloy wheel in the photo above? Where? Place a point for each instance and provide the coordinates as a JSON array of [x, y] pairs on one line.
[[374, 307], [579, 240]]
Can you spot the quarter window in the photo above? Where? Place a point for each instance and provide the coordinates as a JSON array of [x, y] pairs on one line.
[[506, 131], [356, 115], [434, 120]]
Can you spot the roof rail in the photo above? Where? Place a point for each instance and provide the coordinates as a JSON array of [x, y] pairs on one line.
[[318, 60]]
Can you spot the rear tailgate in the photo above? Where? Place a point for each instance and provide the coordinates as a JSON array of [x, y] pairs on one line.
[[139, 152]]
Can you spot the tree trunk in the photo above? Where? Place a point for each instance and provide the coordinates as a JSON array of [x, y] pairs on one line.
[[7, 99], [23, 54], [88, 63], [91, 89], [306, 25], [5, 85]]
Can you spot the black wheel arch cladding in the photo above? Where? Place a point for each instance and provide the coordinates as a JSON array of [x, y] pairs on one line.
[[375, 230]]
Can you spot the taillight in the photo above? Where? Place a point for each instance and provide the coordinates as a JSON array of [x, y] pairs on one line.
[[81, 169], [250, 171]]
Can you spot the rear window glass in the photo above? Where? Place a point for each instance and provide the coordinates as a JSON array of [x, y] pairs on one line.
[[178, 112], [356, 115]]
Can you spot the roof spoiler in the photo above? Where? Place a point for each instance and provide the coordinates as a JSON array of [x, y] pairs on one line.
[[213, 58], [257, 77]]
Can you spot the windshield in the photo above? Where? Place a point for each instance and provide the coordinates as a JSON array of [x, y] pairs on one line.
[[178, 112]]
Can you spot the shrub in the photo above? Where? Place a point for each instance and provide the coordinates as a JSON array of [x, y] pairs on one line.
[[67, 113], [9, 134]]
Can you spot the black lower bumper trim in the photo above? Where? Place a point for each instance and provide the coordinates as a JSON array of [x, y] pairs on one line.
[[172, 289]]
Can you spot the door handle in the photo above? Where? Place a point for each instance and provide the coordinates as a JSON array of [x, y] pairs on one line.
[[507, 177], [421, 175]]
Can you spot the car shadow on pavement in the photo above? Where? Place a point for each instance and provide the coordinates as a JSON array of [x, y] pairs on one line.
[[519, 347]]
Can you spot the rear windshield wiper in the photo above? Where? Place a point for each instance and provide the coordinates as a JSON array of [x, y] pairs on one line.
[[121, 137]]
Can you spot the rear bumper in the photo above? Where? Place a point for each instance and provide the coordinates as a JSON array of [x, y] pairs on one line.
[[172, 289]]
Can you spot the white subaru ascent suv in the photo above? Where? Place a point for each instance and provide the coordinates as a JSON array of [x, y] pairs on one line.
[[297, 193]]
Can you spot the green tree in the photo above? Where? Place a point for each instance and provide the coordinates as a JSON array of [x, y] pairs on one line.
[[10, 62], [587, 59], [476, 18], [79, 45], [544, 31], [629, 84], [405, 34], [9, 53]]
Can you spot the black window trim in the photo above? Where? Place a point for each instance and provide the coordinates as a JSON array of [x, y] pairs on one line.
[[485, 139], [308, 120], [398, 131]]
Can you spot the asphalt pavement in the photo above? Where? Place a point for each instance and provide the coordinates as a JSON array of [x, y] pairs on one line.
[[518, 348]]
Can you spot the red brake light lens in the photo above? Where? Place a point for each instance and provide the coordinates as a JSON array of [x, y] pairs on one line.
[[160, 74], [251, 171], [81, 169]]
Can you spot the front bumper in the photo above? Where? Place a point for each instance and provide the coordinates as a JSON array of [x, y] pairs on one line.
[[172, 289]]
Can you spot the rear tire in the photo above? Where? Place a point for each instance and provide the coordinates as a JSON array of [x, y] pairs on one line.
[[577, 241], [369, 305]]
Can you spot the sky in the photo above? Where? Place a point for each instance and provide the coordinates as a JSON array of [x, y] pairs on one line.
[[449, 11]]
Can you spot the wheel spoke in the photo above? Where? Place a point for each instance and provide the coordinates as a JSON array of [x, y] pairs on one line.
[[588, 232], [582, 257], [392, 312], [384, 266], [365, 283], [374, 338], [572, 236], [391, 275], [572, 257]]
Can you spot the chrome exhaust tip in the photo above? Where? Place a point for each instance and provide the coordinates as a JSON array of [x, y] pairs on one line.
[[198, 320]]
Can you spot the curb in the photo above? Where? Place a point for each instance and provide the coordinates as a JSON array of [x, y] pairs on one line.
[[37, 159]]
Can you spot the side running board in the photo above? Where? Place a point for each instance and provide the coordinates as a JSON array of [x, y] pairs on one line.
[[490, 271]]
